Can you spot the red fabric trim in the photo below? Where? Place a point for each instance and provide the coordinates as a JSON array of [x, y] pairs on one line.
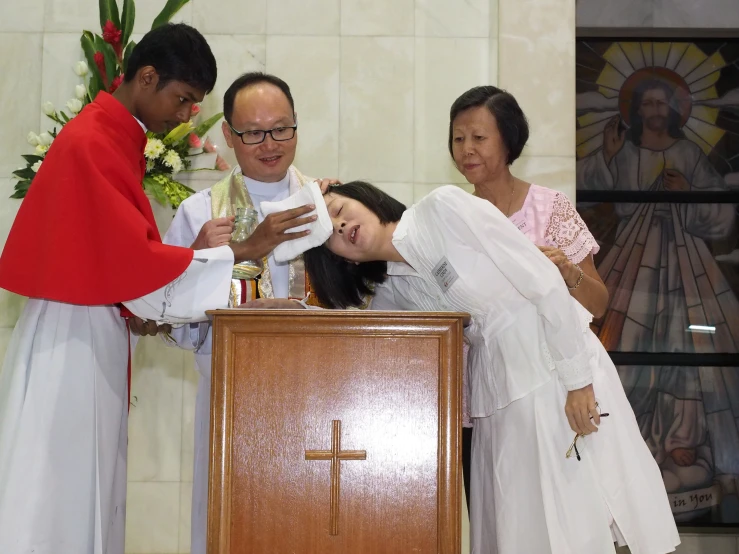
[[243, 290], [128, 334]]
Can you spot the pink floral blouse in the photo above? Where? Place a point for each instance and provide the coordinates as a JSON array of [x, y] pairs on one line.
[[548, 218]]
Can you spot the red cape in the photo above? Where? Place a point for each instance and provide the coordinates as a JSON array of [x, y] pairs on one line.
[[85, 233]]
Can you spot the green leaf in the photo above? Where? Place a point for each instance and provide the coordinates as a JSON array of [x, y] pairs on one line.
[[64, 116], [31, 158], [128, 16], [25, 173], [168, 12], [155, 189], [205, 126], [21, 189], [109, 11], [127, 54], [178, 133], [88, 47]]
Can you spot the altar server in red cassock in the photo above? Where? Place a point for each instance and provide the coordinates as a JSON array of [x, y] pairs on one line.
[[86, 251]]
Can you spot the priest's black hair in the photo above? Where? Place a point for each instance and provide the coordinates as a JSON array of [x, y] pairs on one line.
[[336, 282], [178, 52], [247, 80], [511, 121]]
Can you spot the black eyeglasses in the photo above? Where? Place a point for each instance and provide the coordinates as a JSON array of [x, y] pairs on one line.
[[573, 446], [257, 136]]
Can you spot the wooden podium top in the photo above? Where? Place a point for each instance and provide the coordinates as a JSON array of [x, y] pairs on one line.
[[335, 431], [371, 314]]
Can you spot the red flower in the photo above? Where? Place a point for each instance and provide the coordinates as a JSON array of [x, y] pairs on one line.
[[100, 63], [194, 141], [116, 83], [111, 34], [195, 110]]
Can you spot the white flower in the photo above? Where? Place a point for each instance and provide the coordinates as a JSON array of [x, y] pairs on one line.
[[33, 139], [48, 108], [45, 139], [154, 148], [41, 150], [149, 165], [80, 92], [35, 167], [80, 68], [74, 105], [172, 159]]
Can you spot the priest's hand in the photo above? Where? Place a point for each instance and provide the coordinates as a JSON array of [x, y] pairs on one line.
[[325, 183], [143, 327], [581, 409], [214, 233], [272, 304], [271, 232]]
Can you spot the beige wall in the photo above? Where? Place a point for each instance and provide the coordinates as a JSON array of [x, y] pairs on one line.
[[373, 81]]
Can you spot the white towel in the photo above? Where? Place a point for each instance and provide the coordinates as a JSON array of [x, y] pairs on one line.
[[320, 229]]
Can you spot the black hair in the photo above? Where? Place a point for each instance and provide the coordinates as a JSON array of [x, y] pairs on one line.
[[673, 115], [178, 52], [511, 121], [247, 80], [339, 283]]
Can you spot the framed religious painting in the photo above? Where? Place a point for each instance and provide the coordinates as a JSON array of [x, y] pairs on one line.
[[689, 416], [657, 129]]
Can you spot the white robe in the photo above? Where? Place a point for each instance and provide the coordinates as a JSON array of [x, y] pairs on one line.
[[192, 214], [530, 343], [64, 413]]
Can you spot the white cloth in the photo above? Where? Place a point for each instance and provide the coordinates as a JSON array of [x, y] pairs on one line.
[[320, 230], [192, 214], [529, 345], [64, 413]]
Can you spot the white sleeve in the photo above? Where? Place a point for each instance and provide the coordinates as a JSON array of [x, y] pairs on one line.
[[479, 224], [191, 336], [190, 217], [384, 298], [204, 285]]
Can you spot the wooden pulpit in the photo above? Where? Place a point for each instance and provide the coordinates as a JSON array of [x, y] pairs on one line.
[[335, 432]]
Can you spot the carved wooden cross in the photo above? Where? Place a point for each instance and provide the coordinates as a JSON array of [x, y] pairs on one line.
[[336, 455]]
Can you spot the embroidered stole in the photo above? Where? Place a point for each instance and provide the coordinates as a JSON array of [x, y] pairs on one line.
[[227, 196]]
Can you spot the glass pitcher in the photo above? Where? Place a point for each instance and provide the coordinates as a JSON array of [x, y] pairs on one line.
[[244, 224]]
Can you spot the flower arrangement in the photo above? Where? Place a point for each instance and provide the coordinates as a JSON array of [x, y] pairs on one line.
[[106, 57]]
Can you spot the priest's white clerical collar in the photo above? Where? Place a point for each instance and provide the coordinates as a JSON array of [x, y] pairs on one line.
[[262, 188], [140, 123]]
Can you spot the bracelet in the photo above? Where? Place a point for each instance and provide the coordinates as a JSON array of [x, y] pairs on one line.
[[579, 279]]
